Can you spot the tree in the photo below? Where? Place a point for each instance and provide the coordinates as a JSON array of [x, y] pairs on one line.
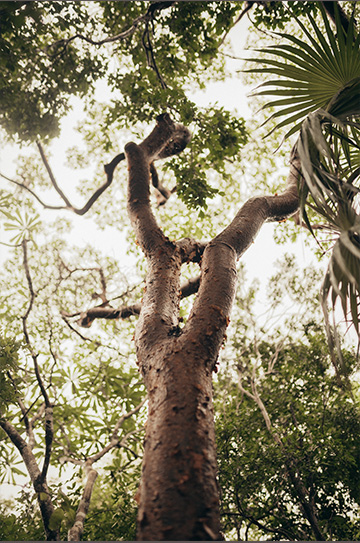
[[178, 496], [287, 437]]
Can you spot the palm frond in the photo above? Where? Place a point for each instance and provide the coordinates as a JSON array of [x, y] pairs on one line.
[[317, 92], [320, 73]]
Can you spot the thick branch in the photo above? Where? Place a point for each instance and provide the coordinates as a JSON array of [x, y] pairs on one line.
[[159, 314], [165, 140], [126, 311], [211, 312]]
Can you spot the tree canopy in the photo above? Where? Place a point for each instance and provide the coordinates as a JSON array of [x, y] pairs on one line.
[[106, 360]]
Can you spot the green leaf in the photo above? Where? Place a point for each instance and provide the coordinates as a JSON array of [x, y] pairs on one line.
[[56, 519]]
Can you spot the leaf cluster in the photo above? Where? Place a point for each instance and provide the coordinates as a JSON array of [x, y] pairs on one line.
[[35, 89]]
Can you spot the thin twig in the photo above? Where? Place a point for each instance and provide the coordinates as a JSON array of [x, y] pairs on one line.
[[248, 6]]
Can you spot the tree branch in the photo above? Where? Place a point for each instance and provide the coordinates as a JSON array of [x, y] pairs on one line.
[[110, 313], [109, 171], [115, 441], [77, 529], [214, 301], [49, 436], [61, 45], [248, 6], [39, 484], [24, 320]]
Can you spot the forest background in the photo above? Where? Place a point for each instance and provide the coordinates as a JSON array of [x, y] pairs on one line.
[[286, 382]]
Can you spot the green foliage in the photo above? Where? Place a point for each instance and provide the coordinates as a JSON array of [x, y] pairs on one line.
[[319, 429], [322, 72], [92, 381], [9, 362], [274, 15], [158, 64], [35, 89], [28, 528], [90, 374]]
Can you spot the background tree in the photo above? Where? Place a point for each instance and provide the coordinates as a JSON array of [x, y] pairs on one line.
[[80, 388], [287, 436]]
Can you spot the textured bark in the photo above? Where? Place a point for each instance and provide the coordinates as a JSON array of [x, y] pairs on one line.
[[179, 493]]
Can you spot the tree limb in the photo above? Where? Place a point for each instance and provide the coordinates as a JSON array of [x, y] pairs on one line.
[[212, 306], [77, 529], [109, 171], [39, 483], [24, 320], [49, 436], [110, 313]]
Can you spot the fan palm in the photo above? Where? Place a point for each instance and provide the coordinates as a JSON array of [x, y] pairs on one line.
[[318, 93]]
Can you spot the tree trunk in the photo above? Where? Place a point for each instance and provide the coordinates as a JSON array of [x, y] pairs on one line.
[[179, 493]]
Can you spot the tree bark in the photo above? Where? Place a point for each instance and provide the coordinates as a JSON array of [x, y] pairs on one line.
[[179, 493]]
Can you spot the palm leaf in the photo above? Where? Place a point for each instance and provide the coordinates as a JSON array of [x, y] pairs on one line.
[[317, 92], [322, 72]]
